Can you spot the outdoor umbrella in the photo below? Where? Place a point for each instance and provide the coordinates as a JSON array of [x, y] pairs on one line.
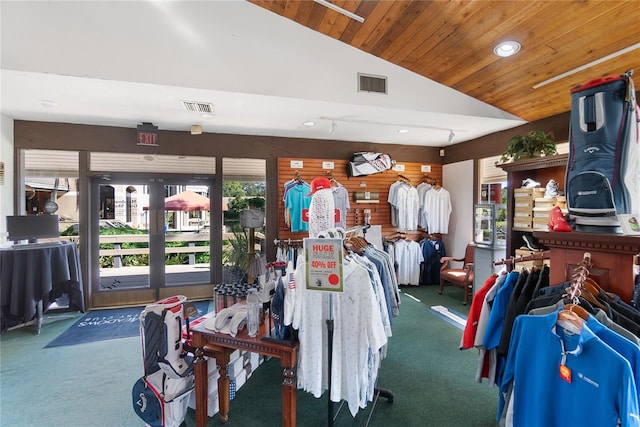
[[186, 201]]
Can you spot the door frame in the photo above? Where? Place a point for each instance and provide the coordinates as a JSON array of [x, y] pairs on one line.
[[156, 182]]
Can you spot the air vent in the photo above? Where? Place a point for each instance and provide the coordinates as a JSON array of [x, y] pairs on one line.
[[369, 83], [198, 107]]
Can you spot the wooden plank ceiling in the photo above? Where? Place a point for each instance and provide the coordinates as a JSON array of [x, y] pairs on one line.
[[451, 42]]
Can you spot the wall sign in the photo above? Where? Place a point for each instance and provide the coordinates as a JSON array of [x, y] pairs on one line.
[[327, 165], [148, 135]]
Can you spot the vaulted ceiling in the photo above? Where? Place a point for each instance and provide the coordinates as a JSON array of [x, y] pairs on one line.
[[452, 43], [265, 67]]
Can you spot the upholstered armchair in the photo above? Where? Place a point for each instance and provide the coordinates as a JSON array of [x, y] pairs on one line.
[[461, 277]]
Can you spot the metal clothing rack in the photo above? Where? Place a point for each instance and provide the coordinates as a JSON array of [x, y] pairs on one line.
[[522, 258], [331, 416]]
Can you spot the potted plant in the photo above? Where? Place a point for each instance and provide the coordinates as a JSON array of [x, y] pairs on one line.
[[536, 143]]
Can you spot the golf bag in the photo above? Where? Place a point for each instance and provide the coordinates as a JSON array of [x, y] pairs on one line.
[[368, 163], [603, 171], [161, 396]]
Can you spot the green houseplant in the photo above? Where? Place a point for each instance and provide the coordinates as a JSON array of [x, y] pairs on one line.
[[534, 144]]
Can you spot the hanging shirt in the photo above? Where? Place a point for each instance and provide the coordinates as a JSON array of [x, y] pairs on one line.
[[423, 187], [358, 332], [321, 212], [597, 376], [409, 257], [296, 200], [437, 206], [341, 202]]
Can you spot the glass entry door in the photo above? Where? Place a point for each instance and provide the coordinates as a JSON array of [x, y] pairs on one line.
[[150, 238]]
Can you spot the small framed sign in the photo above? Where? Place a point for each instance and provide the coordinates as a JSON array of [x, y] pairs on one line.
[[630, 224], [324, 264]]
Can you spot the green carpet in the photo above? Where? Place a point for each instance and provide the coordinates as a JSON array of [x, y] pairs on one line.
[[90, 385]]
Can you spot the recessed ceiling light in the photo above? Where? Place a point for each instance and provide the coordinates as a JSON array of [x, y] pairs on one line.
[[507, 48], [403, 130], [48, 103], [309, 123]]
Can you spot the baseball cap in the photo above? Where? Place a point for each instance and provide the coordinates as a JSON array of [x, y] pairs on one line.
[[319, 184]]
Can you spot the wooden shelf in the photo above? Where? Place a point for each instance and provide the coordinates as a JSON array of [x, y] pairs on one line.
[[536, 163], [541, 169], [612, 256]]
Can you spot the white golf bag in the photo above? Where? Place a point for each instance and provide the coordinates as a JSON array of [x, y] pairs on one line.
[[161, 396]]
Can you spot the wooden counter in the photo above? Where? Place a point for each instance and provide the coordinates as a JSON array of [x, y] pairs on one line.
[[612, 257]]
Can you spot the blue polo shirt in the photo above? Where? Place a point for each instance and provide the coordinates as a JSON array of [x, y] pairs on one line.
[[601, 390], [498, 311]]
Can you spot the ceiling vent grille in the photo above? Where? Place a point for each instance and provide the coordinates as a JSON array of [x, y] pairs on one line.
[[198, 107], [369, 83]]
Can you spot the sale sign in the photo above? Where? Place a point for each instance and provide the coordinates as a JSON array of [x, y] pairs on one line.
[[324, 264]]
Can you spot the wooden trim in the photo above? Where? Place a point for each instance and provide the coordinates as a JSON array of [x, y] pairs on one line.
[[536, 163], [590, 241]]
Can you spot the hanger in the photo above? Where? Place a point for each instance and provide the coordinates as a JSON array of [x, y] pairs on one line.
[[579, 310], [570, 320], [331, 178], [404, 178], [597, 289], [437, 185]]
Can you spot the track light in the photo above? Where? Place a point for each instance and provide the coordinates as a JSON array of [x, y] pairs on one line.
[[451, 137], [340, 10]]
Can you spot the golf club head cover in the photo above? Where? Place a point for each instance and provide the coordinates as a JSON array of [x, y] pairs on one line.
[[557, 219]]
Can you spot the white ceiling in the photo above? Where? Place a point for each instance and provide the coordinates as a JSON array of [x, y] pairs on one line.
[[121, 63]]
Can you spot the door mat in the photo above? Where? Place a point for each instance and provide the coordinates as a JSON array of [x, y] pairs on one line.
[[109, 324]]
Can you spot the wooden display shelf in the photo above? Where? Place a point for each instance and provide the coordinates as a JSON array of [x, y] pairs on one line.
[[541, 169], [612, 257]]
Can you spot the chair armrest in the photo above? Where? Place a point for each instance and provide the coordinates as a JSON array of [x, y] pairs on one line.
[[445, 260]]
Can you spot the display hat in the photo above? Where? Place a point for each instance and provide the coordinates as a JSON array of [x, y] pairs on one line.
[[319, 184]]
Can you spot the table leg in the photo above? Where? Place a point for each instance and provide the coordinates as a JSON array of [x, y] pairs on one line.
[[39, 316], [289, 398], [202, 388], [222, 359]]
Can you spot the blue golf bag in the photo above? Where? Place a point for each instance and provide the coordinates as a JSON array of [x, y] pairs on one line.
[[603, 171]]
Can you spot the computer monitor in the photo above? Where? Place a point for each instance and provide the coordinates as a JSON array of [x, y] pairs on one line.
[[32, 227]]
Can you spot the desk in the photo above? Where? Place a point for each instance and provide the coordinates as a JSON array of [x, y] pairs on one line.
[[220, 346], [34, 275]]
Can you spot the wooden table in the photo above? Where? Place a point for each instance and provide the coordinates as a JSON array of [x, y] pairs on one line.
[[220, 346]]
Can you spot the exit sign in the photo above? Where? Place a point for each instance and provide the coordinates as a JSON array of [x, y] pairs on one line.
[[147, 134]]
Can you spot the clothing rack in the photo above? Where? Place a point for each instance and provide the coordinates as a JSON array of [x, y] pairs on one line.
[[396, 236], [358, 228], [580, 275], [378, 392], [288, 242], [514, 260]]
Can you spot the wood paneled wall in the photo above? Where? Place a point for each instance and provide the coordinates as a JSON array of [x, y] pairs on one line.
[[380, 182]]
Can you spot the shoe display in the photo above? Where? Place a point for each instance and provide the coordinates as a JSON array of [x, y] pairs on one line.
[[530, 183], [531, 242]]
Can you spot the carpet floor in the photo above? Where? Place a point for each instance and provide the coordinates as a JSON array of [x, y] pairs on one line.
[[90, 385]]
